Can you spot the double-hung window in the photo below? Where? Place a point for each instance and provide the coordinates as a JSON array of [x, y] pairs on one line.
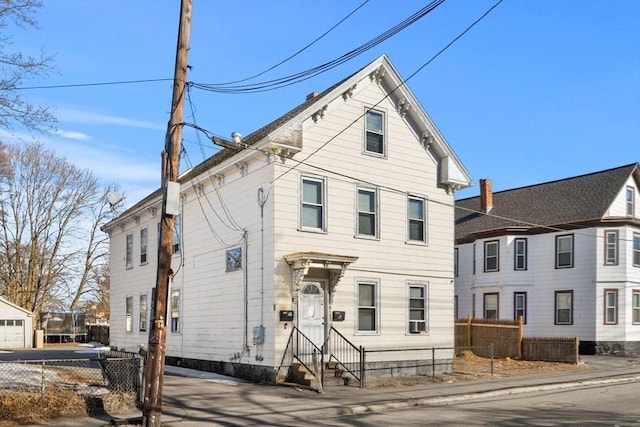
[[367, 222], [610, 306], [129, 314], [564, 251], [491, 306], [520, 306], [455, 262], [635, 307], [374, 130], [416, 218], [143, 313], [177, 234], [563, 308], [636, 250], [520, 254], [630, 201], [367, 306], [144, 238], [312, 204], [491, 256], [611, 247], [129, 251], [417, 308], [175, 310]]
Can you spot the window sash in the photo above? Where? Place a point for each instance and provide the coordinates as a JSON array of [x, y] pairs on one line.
[[129, 314], [374, 129], [367, 310], [520, 306], [491, 256], [175, 310], [630, 201], [636, 250], [611, 248], [564, 251], [490, 308], [635, 307], [129, 251], [564, 308], [520, 254], [177, 233], [367, 212], [144, 233], [312, 204], [416, 214], [143, 313], [417, 308], [610, 306]]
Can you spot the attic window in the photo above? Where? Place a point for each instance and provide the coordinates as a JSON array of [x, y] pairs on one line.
[[374, 129]]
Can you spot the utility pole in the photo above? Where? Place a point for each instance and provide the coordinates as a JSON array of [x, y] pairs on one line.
[[154, 374]]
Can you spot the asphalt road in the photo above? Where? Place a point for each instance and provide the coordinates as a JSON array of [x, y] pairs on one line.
[[51, 353]]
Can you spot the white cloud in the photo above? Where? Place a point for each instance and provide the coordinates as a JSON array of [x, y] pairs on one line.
[[77, 116], [79, 136]]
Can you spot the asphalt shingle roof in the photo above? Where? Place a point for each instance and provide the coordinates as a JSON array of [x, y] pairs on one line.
[[551, 204]]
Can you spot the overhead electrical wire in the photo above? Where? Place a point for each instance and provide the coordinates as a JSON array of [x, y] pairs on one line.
[[300, 50], [281, 82]]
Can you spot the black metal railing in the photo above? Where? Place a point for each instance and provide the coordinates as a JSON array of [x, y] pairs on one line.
[[345, 354], [302, 350]]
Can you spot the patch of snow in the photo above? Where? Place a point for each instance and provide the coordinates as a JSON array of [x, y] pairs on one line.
[[209, 376]]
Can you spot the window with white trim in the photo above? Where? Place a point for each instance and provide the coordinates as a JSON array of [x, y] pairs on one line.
[[520, 254], [129, 314], [610, 306], [636, 250], [144, 238], [630, 201], [177, 234], [564, 251], [563, 308], [175, 310], [491, 305], [611, 247], [520, 306], [312, 210], [491, 256], [455, 262], [374, 130], [129, 251], [367, 222], [367, 306], [417, 308], [416, 218], [635, 307], [143, 313]]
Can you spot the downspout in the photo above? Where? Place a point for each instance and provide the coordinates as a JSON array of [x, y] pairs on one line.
[[262, 200], [246, 293]]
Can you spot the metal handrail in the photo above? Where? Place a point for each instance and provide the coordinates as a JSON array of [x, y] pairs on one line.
[[303, 346], [345, 354]]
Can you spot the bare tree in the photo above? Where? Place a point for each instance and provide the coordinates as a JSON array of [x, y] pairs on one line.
[[43, 211], [17, 67]]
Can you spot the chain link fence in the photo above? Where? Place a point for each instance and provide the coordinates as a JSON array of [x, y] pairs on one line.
[[86, 376]]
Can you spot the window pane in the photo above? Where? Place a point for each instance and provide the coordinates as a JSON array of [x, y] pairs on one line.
[[312, 192], [416, 209], [366, 224], [374, 142], [366, 201], [416, 315], [416, 230], [367, 295], [564, 316], [312, 216], [416, 292], [374, 122], [366, 319], [564, 259]]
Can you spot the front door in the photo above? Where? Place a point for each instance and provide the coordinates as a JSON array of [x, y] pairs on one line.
[[311, 312]]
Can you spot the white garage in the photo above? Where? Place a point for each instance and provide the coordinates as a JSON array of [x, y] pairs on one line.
[[16, 326]]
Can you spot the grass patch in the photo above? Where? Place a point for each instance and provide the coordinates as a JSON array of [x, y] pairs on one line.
[[18, 408]]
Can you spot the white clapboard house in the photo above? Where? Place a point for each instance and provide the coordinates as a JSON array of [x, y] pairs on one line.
[[332, 223], [564, 255]]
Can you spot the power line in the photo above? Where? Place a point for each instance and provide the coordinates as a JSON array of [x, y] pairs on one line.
[[282, 82], [300, 50], [122, 82]]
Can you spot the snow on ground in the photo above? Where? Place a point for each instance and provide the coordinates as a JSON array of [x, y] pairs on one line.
[[92, 348], [209, 376]]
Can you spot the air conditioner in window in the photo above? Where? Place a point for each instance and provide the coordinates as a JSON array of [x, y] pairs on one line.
[[414, 327]]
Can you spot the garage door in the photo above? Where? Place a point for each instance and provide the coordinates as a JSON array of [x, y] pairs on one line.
[[11, 333]]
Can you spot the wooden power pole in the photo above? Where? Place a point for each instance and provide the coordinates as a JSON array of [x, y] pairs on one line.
[[154, 374]]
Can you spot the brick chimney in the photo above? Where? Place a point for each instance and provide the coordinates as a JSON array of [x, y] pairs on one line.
[[312, 95], [486, 195]]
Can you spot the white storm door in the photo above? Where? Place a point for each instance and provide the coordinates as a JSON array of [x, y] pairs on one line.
[[311, 312]]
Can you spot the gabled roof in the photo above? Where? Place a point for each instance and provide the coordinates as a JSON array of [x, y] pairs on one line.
[[452, 172], [564, 203], [17, 307]]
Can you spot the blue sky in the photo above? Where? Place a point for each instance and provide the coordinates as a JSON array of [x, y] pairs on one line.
[[537, 91]]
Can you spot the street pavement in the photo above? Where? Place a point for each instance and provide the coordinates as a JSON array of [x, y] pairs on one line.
[[192, 398]]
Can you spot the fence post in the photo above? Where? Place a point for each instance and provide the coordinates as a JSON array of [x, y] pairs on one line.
[[469, 330], [433, 363], [520, 335], [362, 362], [42, 391], [491, 352]]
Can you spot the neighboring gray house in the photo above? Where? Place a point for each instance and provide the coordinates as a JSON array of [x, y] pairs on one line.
[[336, 218], [564, 255], [16, 326]]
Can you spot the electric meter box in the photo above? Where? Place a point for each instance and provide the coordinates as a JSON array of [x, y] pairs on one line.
[[258, 335]]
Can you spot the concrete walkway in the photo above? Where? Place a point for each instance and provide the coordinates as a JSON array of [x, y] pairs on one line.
[[222, 401]]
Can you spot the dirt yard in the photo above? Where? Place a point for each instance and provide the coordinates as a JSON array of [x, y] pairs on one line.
[[468, 366]]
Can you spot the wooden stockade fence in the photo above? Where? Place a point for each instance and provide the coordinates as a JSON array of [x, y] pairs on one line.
[[504, 338]]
